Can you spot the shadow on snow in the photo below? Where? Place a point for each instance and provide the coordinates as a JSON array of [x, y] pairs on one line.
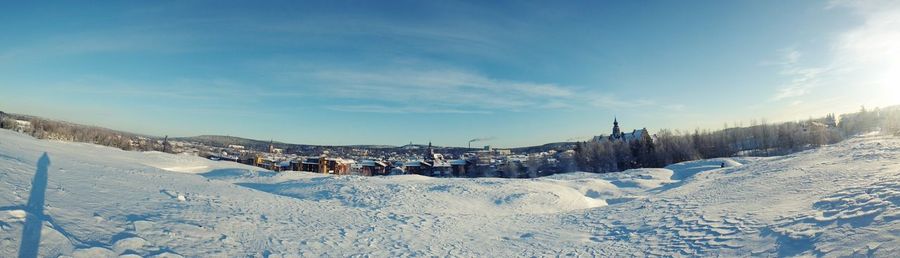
[[31, 234]]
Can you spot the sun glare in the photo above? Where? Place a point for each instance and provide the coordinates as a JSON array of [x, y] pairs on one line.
[[890, 87], [892, 93]]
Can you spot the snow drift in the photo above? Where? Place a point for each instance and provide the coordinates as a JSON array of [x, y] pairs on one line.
[[93, 201]]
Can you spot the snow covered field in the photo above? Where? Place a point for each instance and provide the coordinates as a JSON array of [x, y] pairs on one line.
[[83, 200]]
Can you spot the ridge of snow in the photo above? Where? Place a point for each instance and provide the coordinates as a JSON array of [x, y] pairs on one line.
[[838, 200]]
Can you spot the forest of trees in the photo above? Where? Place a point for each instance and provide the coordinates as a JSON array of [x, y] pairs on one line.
[[759, 139], [56, 130], [664, 148]]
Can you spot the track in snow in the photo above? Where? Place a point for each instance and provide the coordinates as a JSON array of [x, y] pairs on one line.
[[838, 200]]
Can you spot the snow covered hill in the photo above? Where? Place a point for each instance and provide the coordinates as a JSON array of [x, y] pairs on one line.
[[83, 200]]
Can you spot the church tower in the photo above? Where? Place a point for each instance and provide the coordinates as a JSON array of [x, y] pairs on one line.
[[616, 133], [429, 154]]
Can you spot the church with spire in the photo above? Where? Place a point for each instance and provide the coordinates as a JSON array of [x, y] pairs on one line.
[[618, 135], [616, 132]]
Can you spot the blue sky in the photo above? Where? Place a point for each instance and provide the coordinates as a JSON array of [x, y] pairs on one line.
[[378, 72]]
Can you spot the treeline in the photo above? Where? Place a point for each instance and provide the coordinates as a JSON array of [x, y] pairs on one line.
[[56, 130], [885, 120], [759, 139]]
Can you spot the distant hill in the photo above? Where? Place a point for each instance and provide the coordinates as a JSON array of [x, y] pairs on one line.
[[224, 141], [558, 146]]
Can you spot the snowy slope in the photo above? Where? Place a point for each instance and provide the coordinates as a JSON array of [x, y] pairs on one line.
[[101, 202]]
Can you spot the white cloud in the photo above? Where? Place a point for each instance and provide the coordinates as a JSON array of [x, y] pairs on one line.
[[865, 58], [870, 54], [85, 43], [802, 79], [452, 91], [188, 90], [402, 110], [408, 90]]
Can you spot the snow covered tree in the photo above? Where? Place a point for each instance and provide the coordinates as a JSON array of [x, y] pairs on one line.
[[6, 122], [534, 164]]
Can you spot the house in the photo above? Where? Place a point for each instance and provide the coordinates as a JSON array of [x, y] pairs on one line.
[[337, 166], [326, 165], [434, 164], [441, 168], [417, 167], [458, 167], [478, 164], [284, 166], [268, 163], [296, 165], [313, 164], [374, 168], [356, 168], [813, 126], [224, 156], [397, 170]]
